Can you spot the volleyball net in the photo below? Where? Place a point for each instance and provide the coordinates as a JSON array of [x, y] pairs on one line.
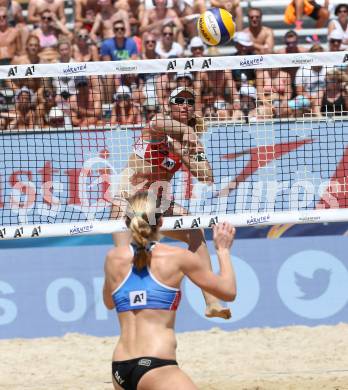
[[253, 140]]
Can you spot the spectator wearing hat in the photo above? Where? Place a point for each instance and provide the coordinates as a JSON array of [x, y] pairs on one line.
[[125, 111], [23, 115], [245, 47], [234, 8], [119, 47], [262, 36], [184, 79], [154, 20], [248, 97], [150, 109], [10, 44], [341, 23], [104, 23], [85, 105], [167, 46], [251, 109], [335, 40], [197, 47], [222, 109], [36, 7], [56, 118]]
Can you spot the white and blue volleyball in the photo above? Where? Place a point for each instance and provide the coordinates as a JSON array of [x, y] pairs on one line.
[[216, 26]]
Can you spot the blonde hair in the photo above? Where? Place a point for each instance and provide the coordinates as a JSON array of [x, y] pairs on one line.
[[142, 219]]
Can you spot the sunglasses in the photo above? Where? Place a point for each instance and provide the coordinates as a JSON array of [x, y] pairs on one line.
[[200, 48], [168, 34], [48, 18], [335, 41], [48, 94], [116, 29], [180, 101], [123, 97], [150, 41], [84, 37]]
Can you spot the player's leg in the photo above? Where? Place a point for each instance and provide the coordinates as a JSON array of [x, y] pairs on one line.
[[166, 378]]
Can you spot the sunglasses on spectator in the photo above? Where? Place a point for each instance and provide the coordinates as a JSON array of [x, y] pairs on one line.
[[168, 34], [150, 41], [180, 101], [335, 41], [119, 29], [48, 94], [123, 97], [48, 18], [82, 36], [200, 48]]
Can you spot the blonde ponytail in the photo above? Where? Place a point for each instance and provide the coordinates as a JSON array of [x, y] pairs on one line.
[[142, 207]]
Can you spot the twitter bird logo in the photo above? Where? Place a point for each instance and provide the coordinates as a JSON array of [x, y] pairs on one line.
[[315, 286], [311, 283]]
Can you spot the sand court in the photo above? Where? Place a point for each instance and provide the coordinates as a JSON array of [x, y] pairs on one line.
[[289, 358]]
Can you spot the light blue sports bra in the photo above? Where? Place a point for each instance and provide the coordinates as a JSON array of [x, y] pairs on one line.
[[141, 290]]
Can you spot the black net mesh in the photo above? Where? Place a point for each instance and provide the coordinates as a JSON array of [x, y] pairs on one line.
[[231, 136]]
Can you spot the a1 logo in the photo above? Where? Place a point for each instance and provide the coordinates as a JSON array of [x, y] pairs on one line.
[[137, 298], [168, 163]]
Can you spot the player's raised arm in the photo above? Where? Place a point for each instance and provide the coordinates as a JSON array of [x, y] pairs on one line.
[[223, 285]]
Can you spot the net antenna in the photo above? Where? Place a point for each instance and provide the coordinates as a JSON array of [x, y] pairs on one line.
[[252, 140]]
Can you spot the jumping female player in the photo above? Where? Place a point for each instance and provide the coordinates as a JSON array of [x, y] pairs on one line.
[[142, 281], [169, 142]]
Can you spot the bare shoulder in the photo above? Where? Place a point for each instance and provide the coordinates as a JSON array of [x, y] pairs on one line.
[[117, 255], [175, 253], [267, 30]]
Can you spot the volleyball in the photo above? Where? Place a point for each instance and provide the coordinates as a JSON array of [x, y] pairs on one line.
[[216, 26]]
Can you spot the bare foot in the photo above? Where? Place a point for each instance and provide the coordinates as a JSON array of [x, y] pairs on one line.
[[215, 309]]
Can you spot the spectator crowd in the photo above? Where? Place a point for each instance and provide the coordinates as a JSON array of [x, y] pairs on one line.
[[108, 30]]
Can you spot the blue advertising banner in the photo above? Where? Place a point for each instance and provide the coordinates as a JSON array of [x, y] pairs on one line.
[[51, 291]]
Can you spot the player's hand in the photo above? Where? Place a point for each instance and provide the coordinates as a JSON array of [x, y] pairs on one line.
[[223, 235], [190, 139]]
